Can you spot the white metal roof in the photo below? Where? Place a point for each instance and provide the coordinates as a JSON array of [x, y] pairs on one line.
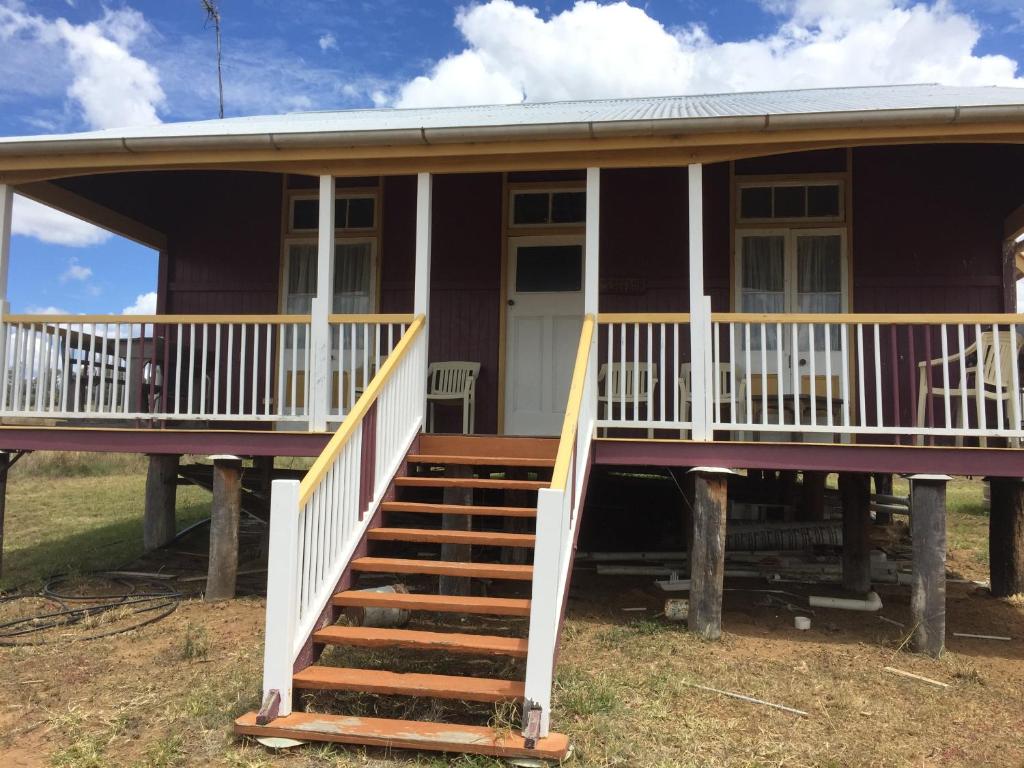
[[758, 110]]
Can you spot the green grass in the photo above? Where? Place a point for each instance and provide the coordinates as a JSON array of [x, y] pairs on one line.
[[71, 513]]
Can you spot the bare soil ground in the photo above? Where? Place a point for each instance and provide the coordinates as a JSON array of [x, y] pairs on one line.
[[165, 695]]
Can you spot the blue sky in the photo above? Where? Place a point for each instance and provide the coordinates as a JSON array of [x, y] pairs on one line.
[[69, 65]]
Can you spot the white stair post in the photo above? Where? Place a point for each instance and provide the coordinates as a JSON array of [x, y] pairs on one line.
[[320, 328], [421, 286], [700, 317], [592, 274], [282, 594]]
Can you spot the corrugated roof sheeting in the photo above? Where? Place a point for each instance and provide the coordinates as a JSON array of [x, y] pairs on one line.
[[553, 119]]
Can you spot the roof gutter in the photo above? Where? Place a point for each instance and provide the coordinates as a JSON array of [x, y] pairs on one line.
[[993, 114]]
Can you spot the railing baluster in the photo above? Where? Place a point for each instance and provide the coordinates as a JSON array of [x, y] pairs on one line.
[[812, 383], [861, 389], [255, 369], [794, 335], [913, 376], [620, 371], [979, 388], [267, 365], [945, 378], [202, 374], [997, 358], [879, 414], [635, 372], [747, 375], [295, 364], [733, 415], [780, 398], [931, 400], [216, 368], [676, 367], [844, 350], [828, 374], [179, 352], [894, 364], [665, 377], [716, 383], [92, 360], [190, 385], [965, 416], [243, 356], [1015, 400]]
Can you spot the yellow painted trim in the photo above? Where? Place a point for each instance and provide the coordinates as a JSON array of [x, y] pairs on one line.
[[563, 459], [866, 319], [643, 317], [372, 318], [159, 319], [354, 419]]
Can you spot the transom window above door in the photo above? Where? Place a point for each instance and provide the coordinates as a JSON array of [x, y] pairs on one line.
[[351, 212], [540, 208], [790, 202]]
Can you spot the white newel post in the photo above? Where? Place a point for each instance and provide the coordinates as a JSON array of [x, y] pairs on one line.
[[320, 328], [282, 593], [421, 287], [700, 317], [544, 611]]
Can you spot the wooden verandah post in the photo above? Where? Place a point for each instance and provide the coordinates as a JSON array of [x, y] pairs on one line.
[[1006, 536], [224, 518], [928, 539], [707, 554]]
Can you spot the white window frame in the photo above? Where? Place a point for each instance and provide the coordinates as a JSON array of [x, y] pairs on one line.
[[550, 191], [790, 262], [839, 218], [371, 194]]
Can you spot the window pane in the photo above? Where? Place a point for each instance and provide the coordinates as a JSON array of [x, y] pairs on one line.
[[789, 202], [756, 203], [352, 266], [305, 214], [568, 207], [762, 282], [530, 208], [340, 212], [819, 265], [360, 213], [823, 200], [543, 268]]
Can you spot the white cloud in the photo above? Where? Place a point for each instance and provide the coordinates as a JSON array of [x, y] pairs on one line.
[[75, 271], [594, 50], [32, 219], [145, 304], [328, 42], [49, 310], [109, 85]]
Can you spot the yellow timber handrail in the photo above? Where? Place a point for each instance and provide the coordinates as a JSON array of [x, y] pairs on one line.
[[567, 441], [867, 318], [158, 319], [900, 318], [355, 417], [644, 317]]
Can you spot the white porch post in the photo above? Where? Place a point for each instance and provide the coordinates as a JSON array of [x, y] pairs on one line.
[[700, 317], [6, 211], [592, 271], [421, 287], [320, 330]]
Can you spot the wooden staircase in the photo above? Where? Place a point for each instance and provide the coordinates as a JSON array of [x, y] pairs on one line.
[[461, 514]]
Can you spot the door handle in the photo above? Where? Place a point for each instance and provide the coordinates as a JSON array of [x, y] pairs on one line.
[[803, 361], [511, 302]]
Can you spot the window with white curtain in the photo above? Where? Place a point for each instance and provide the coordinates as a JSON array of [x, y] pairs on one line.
[[353, 277], [790, 270]]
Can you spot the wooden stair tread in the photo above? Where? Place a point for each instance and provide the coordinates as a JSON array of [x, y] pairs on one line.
[[452, 642], [492, 606], [433, 536], [378, 681], [471, 482], [487, 446], [457, 509], [443, 568], [406, 734], [481, 461]]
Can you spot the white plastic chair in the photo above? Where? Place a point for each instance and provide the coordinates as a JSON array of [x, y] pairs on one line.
[[996, 384], [452, 382], [628, 383], [724, 390]]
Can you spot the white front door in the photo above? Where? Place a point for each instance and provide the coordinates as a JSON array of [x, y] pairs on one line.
[[544, 318]]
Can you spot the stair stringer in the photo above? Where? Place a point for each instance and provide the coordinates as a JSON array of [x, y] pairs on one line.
[[330, 613]]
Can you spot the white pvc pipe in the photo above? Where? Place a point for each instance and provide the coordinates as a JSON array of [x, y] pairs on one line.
[[871, 603]]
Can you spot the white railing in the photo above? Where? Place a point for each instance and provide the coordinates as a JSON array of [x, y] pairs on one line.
[[913, 377], [316, 525], [643, 381], [185, 367], [832, 377], [558, 512], [359, 346]]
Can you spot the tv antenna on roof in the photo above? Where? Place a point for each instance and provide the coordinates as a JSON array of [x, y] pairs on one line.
[[213, 15]]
